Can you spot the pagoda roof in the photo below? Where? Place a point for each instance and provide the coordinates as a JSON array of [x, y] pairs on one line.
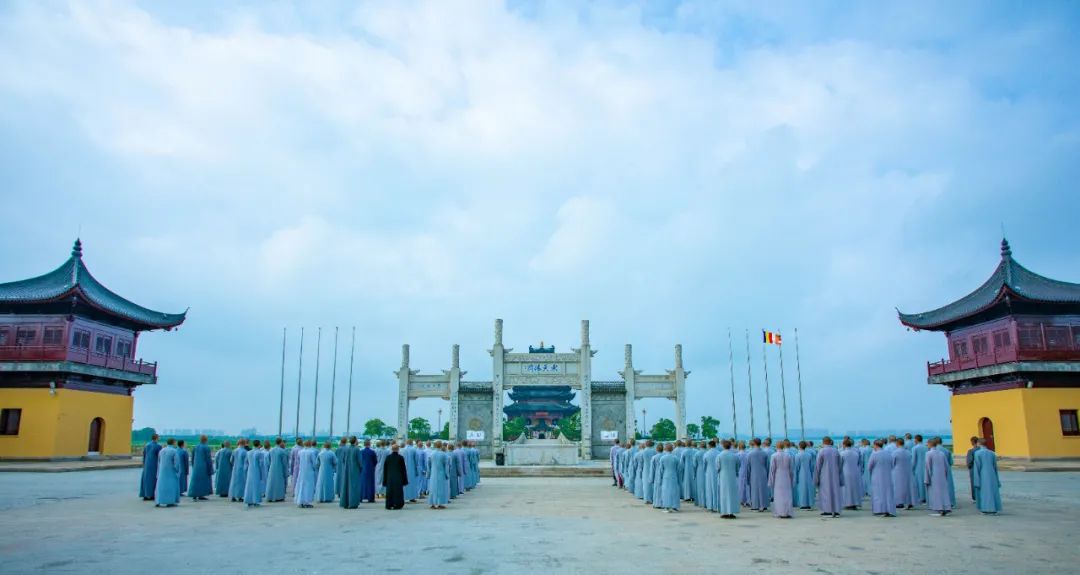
[[72, 281], [1010, 282], [550, 407]]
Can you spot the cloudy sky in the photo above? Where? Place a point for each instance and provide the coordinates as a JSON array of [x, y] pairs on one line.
[[416, 169]]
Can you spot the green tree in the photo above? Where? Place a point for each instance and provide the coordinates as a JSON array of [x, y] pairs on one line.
[[663, 430], [445, 433], [513, 428], [571, 427], [374, 428], [709, 426], [692, 429], [389, 431], [419, 428], [142, 435]]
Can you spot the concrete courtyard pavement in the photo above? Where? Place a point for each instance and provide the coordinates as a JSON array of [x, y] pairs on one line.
[[92, 522]]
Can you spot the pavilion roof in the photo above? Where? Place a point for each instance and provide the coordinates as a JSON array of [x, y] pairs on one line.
[[73, 281], [1010, 282]]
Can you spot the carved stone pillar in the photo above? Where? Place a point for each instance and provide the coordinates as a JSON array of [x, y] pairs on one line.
[[586, 392], [403, 374], [455, 384]]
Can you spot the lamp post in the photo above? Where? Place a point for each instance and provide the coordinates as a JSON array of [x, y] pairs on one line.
[[644, 427], [438, 428]]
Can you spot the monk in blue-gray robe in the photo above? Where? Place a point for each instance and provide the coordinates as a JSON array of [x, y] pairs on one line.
[[699, 475], [613, 456], [970, 460], [949, 470], [339, 455], [804, 478], [712, 489], [987, 482], [239, 472], [647, 471], [671, 480], [902, 476], [369, 459], [202, 471], [167, 492], [326, 465], [781, 481], [757, 462], [882, 500], [744, 474], [728, 467], [462, 467], [829, 480], [439, 478], [454, 471], [689, 471], [639, 472], [851, 469], [935, 478], [223, 469], [148, 484], [411, 484], [350, 474], [655, 462], [257, 469], [294, 460], [380, 453], [918, 465], [304, 493], [277, 480], [865, 451], [185, 465]]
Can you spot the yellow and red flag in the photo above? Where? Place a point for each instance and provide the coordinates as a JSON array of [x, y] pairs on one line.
[[771, 337]]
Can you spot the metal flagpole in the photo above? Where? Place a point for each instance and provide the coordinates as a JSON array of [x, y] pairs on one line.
[[315, 407], [333, 385], [348, 410], [299, 378], [768, 402], [281, 400], [750, 383], [731, 365], [798, 370], [783, 391]]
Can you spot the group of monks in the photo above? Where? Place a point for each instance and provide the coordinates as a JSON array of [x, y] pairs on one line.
[[726, 476], [256, 471]]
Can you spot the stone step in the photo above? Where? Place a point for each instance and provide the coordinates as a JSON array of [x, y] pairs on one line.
[[544, 471]]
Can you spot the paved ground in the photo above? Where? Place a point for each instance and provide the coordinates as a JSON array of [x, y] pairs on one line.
[[92, 522]]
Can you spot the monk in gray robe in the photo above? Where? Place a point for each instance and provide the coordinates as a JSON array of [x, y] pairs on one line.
[[340, 458], [381, 451], [829, 479], [949, 470], [294, 460], [326, 466], [881, 488], [639, 472], [255, 487], [744, 474], [757, 462], [350, 472], [613, 456], [148, 485], [671, 477], [202, 471], [970, 459], [804, 478], [851, 470], [727, 467], [239, 472], [307, 478], [987, 482], [918, 465], [781, 480], [902, 476], [699, 475], [656, 474], [689, 471], [438, 478], [185, 465], [935, 479], [277, 481], [223, 465], [647, 471], [712, 490], [167, 492]]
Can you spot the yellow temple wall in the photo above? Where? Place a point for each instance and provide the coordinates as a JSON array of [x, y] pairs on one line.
[[56, 425], [1026, 422]]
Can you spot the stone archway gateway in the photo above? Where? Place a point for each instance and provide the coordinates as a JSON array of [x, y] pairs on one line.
[[607, 407]]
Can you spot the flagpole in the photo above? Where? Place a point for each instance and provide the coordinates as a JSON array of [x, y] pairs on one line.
[[299, 379], [315, 407], [783, 391], [768, 402], [348, 410], [333, 385], [731, 364], [798, 369], [281, 400], [750, 383]]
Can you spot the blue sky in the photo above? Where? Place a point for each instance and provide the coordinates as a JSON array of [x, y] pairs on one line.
[[665, 169]]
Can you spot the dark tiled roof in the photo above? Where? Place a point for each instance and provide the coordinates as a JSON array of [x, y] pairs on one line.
[[72, 279], [540, 406], [1010, 279]]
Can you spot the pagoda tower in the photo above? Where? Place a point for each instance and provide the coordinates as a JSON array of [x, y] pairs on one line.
[[1013, 363], [68, 364], [542, 406]]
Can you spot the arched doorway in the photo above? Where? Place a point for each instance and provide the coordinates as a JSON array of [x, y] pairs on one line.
[[986, 430], [97, 437]]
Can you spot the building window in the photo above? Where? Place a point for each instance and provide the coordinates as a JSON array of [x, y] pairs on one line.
[[1075, 334], [52, 336], [103, 345], [25, 335], [9, 421], [123, 348], [961, 348], [1002, 339], [3, 336], [1057, 337], [80, 339], [1068, 422], [1029, 335], [980, 345]]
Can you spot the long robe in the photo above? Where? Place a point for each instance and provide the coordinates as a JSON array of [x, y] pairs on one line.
[[671, 480], [368, 462], [185, 468], [349, 473], [781, 479], [804, 480], [970, 460], [380, 457], [987, 482], [223, 469], [757, 462], [257, 469], [935, 480], [881, 488], [202, 472], [238, 480], [728, 464], [439, 478], [422, 456], [656, 478], [453, 473], [647, 475], [339, 455], [168, 476], [639, 473], [902, 477], [148, 484], [865, 452], [294, 463], [462, 470], [409, 455], [851, 469], [918, 467], [711, 488], [699, 477], [829, 480], [613, 456], [689, 473], [395, 478], [304, 493], [744, 477], [277, 480], [949, 473], [326, 484]]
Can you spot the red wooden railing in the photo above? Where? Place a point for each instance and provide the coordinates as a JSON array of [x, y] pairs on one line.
[[999, 356], [64, 353]]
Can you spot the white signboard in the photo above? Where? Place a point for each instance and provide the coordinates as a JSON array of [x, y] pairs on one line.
[[609, 435], [474, 435]]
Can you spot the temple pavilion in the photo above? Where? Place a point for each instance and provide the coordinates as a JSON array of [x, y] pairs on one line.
[[542, 406], [68, 364], [1013, 363]]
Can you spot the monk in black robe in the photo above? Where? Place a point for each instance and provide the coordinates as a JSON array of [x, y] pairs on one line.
[[395, 478]]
